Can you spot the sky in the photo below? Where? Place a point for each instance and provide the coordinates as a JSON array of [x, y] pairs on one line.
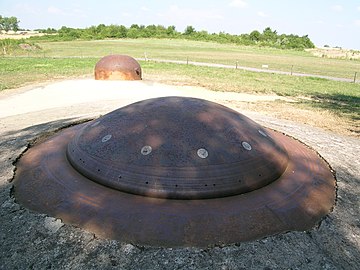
[[326, 22]]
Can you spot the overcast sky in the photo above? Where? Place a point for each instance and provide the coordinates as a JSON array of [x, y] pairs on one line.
[[331, 22]]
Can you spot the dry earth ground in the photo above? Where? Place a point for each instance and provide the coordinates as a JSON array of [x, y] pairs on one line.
[[20, 34], [337, 53], [30, 240]]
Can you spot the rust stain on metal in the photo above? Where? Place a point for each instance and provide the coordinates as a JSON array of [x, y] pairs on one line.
[[191, 159], [176, 172], [117, 67]]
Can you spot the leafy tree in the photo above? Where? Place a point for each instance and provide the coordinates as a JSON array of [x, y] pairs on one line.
[[115, 31], [171, 30], [269, 35], [136, 26], [14, 22], [255, 35], [133, 32], [189, 30], [149, 31], [9, 23], [64, 30], [307, 42], [122, 31], [47, 31], [100, 28]]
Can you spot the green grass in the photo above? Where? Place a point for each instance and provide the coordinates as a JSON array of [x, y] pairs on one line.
[[58, 60], [15, 72], [209, 52], [341, 98]]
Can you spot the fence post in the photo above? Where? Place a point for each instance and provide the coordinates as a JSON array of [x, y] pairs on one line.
[[292, 66], [187, 60], [355, 77], [236, 66]]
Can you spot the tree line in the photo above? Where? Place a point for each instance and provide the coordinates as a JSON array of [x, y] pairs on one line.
[[267, 37], [9, 23]]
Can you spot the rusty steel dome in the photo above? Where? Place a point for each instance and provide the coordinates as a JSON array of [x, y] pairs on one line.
[[117, 67], [176, 171]]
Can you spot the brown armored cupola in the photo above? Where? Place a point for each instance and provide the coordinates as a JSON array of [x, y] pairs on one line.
[[117, 67], [176, 171]]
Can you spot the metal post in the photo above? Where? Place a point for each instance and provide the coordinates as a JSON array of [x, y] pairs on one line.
[[237, 62], [355, 77], [292, 66]]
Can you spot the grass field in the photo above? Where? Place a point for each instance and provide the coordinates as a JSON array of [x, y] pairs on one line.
[[78, 58], [284, 60], [15, 72]]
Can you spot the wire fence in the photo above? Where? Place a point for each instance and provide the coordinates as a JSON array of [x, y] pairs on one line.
[[80, 54]]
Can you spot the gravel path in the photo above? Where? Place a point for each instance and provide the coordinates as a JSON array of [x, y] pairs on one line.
[[29, 240], [265, 70]]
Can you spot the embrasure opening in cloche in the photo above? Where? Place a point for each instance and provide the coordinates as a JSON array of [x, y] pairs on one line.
[[176, 171], [117, 67]]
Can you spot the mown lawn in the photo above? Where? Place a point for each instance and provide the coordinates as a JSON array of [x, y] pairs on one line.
[[209, 52], [341, 98], [18, 71]]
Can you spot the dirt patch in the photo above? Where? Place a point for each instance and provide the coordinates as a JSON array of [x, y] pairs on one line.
[[336, 53], [72, 92], [282, 108], [20, 34], [271, 105], [291, 111]]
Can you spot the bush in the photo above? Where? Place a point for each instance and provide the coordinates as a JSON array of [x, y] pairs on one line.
[[10, 46], [268, 37]]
